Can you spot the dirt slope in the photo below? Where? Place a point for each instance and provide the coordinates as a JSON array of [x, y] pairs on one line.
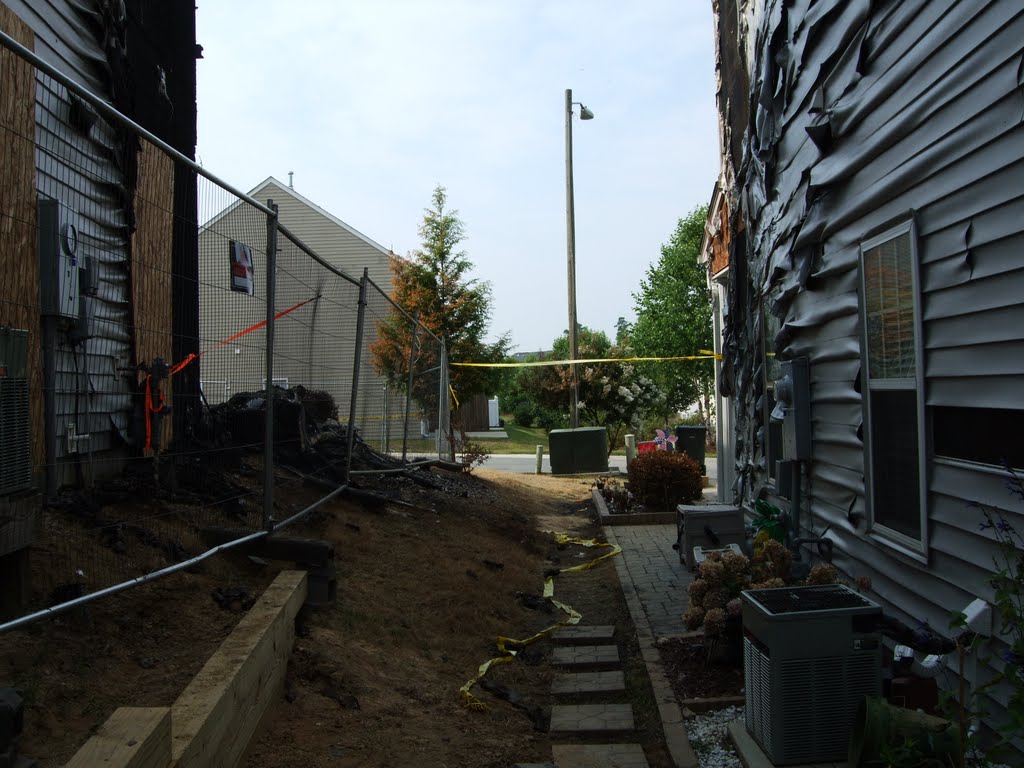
[[423, 591]]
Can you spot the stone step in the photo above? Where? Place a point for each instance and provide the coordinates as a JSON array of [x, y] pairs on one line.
[[592, 719], [584, 635], [599, 756], [573, 683], [585, 656], [534, 765]]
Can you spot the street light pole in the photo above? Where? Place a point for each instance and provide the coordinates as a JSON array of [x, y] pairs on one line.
[[570, 247]]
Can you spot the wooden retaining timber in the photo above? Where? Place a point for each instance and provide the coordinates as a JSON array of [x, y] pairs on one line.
[[216, 715], [213, 720], [132, 737]]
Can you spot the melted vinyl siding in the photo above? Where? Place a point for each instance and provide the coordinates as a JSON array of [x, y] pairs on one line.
[[924, 105], [82, 172]]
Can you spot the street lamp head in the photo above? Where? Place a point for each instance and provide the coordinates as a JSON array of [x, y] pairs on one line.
[[585, 114]]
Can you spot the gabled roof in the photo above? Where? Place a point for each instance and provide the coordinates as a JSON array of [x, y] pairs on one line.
[[254, 192]]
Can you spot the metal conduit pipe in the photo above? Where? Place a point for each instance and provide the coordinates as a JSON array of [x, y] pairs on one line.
[[184, 565]]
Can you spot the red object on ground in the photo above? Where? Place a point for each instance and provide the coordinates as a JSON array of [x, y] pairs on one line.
[[647, 446]]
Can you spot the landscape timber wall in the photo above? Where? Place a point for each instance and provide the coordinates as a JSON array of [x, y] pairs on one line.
[[215, 717]]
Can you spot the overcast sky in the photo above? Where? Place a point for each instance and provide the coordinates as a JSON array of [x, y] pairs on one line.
[[373, 102]]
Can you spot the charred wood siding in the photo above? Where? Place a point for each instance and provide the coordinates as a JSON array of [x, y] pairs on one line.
[[151, 266], [18, 261], [864, 114]]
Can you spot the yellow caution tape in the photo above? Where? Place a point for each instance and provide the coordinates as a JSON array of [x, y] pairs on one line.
[[452, 391], [704, 354], [508, 647]]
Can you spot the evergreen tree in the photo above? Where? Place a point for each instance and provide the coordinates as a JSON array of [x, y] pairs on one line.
[[433, 285]]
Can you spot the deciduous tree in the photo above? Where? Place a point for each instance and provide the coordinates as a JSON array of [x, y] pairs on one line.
[[673, 311]]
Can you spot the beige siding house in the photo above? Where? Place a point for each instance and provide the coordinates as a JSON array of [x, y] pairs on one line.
[[314, 343]]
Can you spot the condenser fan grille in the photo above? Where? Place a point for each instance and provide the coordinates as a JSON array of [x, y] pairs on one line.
[[804, 599]]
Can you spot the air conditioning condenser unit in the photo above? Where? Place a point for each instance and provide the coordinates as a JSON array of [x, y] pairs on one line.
[[810, 654]]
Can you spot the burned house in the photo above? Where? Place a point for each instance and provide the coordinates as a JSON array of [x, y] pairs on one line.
[[873, 178], [96, 246]]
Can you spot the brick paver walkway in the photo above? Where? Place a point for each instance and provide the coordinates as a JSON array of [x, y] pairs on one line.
[[657, 576]]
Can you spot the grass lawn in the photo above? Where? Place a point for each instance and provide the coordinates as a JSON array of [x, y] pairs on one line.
[[519, 440]]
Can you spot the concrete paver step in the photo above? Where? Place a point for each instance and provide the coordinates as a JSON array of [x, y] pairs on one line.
[[534, 765], [599, 756], [572, 683], [588, 635], [585, 656], [592, 718]]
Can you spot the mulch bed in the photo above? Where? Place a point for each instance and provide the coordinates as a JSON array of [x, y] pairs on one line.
[[693, 676]]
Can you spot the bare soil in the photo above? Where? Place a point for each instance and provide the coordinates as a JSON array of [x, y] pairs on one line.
[[423, 593]]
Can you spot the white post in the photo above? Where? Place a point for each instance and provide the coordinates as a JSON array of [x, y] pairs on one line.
[[630, 449], [540, 458]]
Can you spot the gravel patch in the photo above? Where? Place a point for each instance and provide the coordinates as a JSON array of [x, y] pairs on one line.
[[709, 739]]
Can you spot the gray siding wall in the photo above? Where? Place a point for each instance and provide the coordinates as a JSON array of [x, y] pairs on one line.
[[80, 170], [917, 108], [315, 345]]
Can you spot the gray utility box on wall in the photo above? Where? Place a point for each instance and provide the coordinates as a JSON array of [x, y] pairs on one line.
[[711, 526], [60, 260], [793, 408], [810, 655], [574, 451]]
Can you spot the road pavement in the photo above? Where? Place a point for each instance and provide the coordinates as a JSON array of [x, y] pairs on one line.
[[524, 463]]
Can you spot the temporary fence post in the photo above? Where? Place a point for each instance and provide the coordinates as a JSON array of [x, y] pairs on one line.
[[630, 449], [408, 387], [268, 411], [442, 399], [356, 362], [384, 421]]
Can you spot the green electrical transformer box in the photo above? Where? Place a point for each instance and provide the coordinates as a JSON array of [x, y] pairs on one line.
[[575, 451]]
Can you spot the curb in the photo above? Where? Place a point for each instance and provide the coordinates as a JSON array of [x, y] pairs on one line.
[[669, 710]]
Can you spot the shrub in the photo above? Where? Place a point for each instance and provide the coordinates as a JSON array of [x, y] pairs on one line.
[[663, 479], [524, 413], [715, 593]]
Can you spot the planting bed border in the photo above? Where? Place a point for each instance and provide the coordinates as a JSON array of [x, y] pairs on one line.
[[638, 518]]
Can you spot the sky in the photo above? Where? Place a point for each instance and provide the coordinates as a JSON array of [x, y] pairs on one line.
[[372, 103]]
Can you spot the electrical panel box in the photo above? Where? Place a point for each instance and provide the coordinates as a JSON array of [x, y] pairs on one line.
[[60, 260], [793, 408]]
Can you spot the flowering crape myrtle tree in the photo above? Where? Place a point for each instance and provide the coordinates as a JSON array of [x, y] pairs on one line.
[[612, 394]]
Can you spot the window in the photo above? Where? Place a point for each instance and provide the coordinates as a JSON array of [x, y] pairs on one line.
[[893, 379], [979, 435]]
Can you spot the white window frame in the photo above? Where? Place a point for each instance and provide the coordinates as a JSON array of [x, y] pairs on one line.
[[768, 392], [916, 548]]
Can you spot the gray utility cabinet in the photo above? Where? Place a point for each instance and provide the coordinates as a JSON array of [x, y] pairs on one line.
[[711, 526], [575, 451]]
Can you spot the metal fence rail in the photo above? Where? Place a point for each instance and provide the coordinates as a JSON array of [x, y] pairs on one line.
[[167, 348]]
